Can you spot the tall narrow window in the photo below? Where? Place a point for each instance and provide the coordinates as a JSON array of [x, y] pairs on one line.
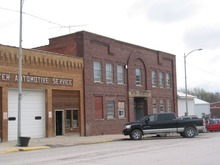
[[161, 105], [154, 78], [121, 109], [109, 73], [68, 119], [110, 109], [120, 74], [138, 76], [168, 80], [75, 119], [154, 106], [97, 71], [161, 75], [168, 106], [98, 107]]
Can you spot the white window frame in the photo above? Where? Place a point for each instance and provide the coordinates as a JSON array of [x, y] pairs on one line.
[[169, 107], [168, 80], [161, 75], [138, 76], [121, 109], [97, 68], [162, 105], [110, 109], [109, 73], [154, 102], [154, 78], [120, 74]]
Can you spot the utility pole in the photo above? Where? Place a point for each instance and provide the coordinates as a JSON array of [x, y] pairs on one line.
[[19, 77]]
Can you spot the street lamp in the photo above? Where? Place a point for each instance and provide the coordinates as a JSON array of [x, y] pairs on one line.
[[185, 55]]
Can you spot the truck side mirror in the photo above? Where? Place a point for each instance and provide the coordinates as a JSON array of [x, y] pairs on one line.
[[147, 120]]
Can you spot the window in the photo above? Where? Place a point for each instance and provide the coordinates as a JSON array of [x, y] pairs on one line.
[[109, 73], [120, 74], [68, 119], [138, 76], [168, 106], [72, 117], [97, 71], [154, 78], [154, 106], [168, 80], [161, 75], [121, 109], [98, 107], [110, 109], [161, 106]]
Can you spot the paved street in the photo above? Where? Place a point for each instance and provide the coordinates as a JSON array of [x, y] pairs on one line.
[[202, 150]]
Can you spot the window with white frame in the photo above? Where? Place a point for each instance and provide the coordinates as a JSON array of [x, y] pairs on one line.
[[168, 80], [120, 74], [161, 105], [121, 109], [97, 67], [154, 78], [109, 73], [110, 109], [168, 106], [154, 105], [161, 76], [138, 76]]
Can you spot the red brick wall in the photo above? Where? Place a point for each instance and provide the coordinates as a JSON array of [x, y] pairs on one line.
[[98, 48]]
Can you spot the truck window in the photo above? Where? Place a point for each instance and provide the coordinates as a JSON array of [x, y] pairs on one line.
[[152, 118], [165, 117]]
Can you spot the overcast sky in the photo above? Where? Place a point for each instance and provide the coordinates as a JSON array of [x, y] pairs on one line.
[[172, 26]]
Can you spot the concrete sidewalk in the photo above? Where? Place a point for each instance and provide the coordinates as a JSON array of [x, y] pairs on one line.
[[59, 141]]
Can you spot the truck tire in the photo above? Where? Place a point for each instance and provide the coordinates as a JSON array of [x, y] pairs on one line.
[[190, 132], [136, 134]]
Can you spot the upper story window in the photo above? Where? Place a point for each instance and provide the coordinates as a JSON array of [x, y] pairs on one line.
[[168, 80], [97, 67], [161, 76], [138, 77], [154, 78], [120, 74], [109, 73]]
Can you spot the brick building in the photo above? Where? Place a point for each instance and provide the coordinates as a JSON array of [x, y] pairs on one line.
[[122, 81], [52, 94], [215, 109]]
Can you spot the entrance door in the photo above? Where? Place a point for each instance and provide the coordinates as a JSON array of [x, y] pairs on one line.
[[139, 108], [59, 123]]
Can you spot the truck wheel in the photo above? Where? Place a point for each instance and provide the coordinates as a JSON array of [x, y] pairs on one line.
[[136, 134], [190, 132]]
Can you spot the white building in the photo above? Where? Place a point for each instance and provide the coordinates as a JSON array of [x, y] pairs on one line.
[[182, 104], [201, 107], [195, 106]]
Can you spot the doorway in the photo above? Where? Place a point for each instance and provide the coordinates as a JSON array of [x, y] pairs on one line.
[[139, 108], [59, 123]]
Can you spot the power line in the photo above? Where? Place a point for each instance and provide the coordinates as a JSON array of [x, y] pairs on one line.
[[51, 22]]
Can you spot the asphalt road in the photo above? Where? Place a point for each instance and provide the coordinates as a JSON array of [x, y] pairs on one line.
[[171, 150]]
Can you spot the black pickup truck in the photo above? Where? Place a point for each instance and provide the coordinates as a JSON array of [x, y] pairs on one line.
[[163, 123]]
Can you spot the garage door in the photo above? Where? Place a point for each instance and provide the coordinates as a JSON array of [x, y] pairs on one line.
[[32, 113]]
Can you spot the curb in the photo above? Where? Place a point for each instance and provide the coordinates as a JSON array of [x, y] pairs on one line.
[[24, 149]]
